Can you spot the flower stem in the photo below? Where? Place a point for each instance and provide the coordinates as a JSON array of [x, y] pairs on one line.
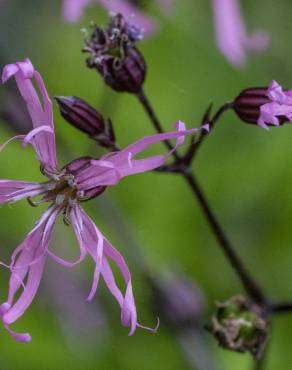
[[246, 279], [212, 122], [282, 307]]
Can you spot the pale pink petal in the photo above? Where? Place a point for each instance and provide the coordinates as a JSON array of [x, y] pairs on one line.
[[280, 106], [73, 9], [97, 173], [100, 249], [232, 38], [90, 239], [277, 94], [131, 14], [112, 168], [27, 263], [83, 251], [128, 313], [41, 112], [12, 191]]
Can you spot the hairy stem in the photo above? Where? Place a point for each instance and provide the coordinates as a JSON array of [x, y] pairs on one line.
[[246, 279]]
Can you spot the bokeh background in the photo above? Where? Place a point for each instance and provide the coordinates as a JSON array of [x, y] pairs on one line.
[[152, 218]]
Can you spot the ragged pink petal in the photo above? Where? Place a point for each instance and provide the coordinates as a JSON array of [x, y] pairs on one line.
[[27, 264], [279, 108], [40, 111], [128, 307], [100, 249], [91, 240], [132, 14], [112, 168], [18, 337], [232, 38], [73, 9], [12, 191], [83, 251]]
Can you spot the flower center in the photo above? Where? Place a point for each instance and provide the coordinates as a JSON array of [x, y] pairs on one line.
[[64, 191], [62, 187]]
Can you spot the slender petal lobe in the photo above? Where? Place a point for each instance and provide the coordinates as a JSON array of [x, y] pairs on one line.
[[27, 262], [101, 250], [280, 106], [73, 11], [111, 169], [12, 191], [43, 139]]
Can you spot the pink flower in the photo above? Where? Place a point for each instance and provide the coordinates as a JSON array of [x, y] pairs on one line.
[[73, 11], [232, 38], [65, 190], [279, 108], [265, 106]]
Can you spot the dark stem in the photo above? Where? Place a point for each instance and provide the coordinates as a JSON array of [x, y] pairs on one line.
[[212, 122], [155, 121], [248, 282], [278, 308]]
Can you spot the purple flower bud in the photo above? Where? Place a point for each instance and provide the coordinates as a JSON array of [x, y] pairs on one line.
[[180, 301], [265, 106], [114, 55], [87, 119]]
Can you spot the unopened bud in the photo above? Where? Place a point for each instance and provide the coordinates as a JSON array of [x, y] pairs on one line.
[[240, 325], [178, 299], [87, 119], [114, 55]]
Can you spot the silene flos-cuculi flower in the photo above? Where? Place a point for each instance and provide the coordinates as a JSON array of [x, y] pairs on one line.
[[265, 106], [65, 190]]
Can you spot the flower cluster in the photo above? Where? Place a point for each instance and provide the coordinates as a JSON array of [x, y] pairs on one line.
[[114, 55], [65, 190]]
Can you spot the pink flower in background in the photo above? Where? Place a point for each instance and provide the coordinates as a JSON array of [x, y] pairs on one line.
[[73, 11], [232, 38], [65, 190]]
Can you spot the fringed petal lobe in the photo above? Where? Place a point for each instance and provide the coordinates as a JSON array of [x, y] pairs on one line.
[[41, 112], [27, 262], [112, 168], [101, 250]]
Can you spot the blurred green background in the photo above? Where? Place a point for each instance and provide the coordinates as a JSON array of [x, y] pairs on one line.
[[244, 170]]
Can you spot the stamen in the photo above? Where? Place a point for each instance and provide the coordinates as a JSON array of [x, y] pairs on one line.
[[66, 219], [153, 330], [60, 199], [31, 202]]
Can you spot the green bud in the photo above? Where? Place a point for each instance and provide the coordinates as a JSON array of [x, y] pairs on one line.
[[240, 325]]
